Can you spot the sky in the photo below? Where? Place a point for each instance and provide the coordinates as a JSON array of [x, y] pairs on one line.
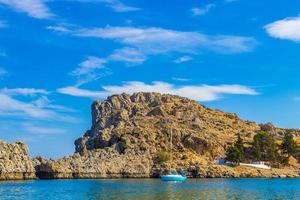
[[58, 56]]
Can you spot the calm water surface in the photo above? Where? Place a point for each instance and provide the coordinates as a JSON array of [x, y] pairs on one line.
[[221, 189]]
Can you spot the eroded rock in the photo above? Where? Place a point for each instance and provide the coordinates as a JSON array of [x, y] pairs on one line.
[[15, 163]]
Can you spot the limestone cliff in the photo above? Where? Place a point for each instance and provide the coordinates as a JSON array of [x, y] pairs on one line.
[[15, 163], [129, 133], [142, 122]]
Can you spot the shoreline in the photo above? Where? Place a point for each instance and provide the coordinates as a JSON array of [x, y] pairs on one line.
[[189, 178], [130, 138]]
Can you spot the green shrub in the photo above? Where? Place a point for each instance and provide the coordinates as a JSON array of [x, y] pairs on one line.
[[236, 153], [163, 156], [265, 148], [289, 145]]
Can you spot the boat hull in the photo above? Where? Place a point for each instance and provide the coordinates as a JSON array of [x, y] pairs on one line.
[[173, 178]]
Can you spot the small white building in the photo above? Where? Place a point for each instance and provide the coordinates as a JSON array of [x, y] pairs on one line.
[[259, 164]]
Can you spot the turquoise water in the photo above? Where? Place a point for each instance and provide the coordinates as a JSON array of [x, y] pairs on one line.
[[221, 189]]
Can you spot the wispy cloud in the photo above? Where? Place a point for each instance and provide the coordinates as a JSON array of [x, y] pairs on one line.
[[60, 28], [116, 5], [158, 40], [140, 43], [23, 91], [88, 66], [11, 106], [34, 8], [183, 59], [91, 69], [44, 102], [2, 71], [196, 92], [288, 29], [128, 55], [41, 130], [77, 92], [202, 11], [94, 67]]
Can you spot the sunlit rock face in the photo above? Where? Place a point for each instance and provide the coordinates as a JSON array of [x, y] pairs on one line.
[[129, 132], [133, 129], [15, 163], [143, 121]]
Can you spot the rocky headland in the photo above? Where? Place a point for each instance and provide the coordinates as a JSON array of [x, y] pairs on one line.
[[129, 133], [15, 163]]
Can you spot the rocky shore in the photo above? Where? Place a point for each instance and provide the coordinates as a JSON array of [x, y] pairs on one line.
[[130, 132], [15, 163]]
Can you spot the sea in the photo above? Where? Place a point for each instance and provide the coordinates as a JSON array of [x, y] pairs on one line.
[[136, 189]]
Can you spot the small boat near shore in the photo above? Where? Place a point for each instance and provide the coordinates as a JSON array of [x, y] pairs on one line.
[[173, 176]]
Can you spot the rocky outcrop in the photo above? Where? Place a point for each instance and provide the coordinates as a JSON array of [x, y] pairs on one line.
[[103, 163], [144, 121], [222, 171], [15, 163], [130, 132]]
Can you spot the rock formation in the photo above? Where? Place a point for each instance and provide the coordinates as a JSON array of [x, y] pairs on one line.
[[15, 163], [142, 123], [130, 132]]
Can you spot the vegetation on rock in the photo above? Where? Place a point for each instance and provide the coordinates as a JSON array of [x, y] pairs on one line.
[[289, 145], [163, 156], [264, 148], [236, 153], [130, 134]]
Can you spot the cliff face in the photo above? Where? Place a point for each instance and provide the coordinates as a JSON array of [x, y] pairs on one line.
[[142, 123], [15, 163], [130, 133]]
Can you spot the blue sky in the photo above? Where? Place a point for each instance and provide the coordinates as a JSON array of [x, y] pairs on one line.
[[57, 56]]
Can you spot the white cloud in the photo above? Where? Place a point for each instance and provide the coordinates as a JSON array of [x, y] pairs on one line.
[[196, 92], [288, 29], [183, 59], [128, 55], [202, 11], [91, 69], [44, 102], [120, 7], [88, 66], [116, 5], [23, 91], [144, 42], [34, 8], [77, 92], [62, 29], [43, 130], [10, 106], [158, 40], [2, 71]]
